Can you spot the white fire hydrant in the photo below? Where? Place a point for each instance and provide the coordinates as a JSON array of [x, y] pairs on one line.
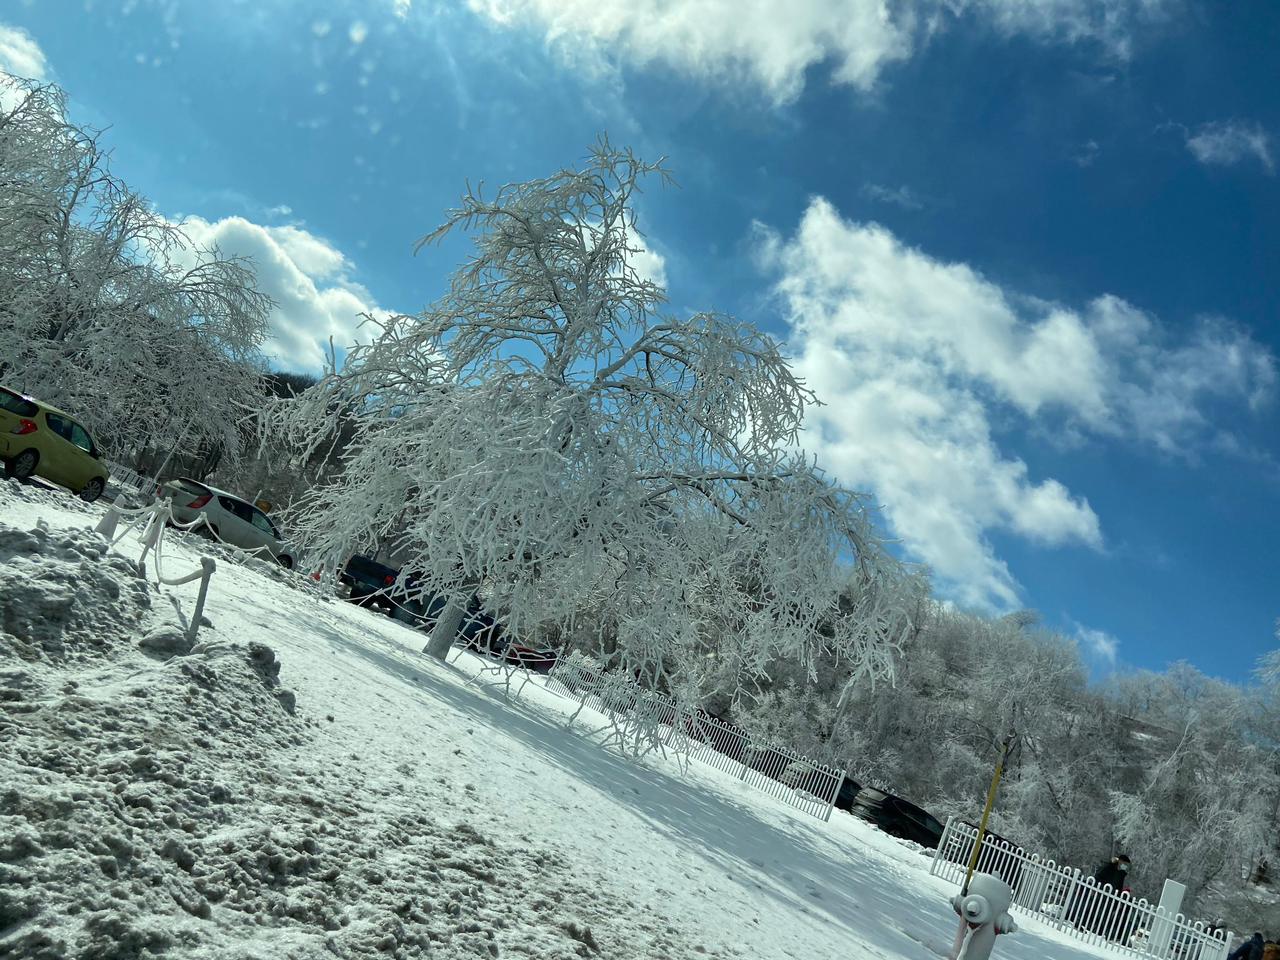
[[985, 909]]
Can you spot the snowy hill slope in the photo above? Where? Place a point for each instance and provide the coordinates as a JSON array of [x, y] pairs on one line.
[[187, 807]]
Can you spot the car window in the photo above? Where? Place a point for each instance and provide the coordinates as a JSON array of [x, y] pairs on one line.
[[232, 505], [262, 523], [80, 437], [59, 425], [15, 404]]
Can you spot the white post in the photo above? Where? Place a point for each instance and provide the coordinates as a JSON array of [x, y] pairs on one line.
[[207, 566], [940, 853], [1170, 906], [107, 525]]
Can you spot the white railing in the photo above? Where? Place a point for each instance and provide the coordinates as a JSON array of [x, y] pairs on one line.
[[143, 487], [782, 773], [1075, 904]]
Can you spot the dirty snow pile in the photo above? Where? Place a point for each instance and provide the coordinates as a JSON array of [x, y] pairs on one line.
[[303, 783], [154, 803]]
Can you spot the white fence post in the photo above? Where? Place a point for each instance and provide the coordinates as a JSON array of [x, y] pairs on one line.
[[939, 854], [1171, 903]]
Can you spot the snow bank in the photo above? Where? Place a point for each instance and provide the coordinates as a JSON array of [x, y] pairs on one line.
[[62, 596]]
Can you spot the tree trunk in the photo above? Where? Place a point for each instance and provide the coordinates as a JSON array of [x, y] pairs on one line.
[[446, 628]]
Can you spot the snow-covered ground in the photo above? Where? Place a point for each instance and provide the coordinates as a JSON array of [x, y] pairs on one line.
[[304, 783]]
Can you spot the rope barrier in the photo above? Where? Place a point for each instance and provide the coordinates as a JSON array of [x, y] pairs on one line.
[[157, 516]]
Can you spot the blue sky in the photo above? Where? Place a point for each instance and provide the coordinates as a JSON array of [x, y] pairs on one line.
[[1026, 253]]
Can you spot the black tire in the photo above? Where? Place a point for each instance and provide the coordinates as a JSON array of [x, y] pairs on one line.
[[23, 466], [93, 490], [285, 561]]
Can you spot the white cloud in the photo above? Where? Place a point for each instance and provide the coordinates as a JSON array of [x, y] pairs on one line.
[[308, 278], [1098, 644], [918, 360], [402, 8], [650, 264], [20, 55], [773, 44], [358, 33], [1225, 143]]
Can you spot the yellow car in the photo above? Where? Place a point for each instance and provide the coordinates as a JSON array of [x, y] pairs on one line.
[[36, 438]]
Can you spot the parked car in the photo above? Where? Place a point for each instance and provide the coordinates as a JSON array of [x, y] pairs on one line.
[[845, 795], [227, 517], [39, 440], [897, 817], [481, 632], [478, 630], [369, 581]]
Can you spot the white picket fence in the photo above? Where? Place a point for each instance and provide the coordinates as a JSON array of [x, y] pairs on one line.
[[1075, 904], [782, 773]]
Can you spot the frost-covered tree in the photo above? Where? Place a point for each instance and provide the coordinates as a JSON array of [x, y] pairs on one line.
[[549, 432], [107, 307], [1205, 810]]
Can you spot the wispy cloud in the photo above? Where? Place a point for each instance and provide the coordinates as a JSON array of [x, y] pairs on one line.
[[1087, 154], [1225, 143], [772, 45], [1099, 645], [903, 196]]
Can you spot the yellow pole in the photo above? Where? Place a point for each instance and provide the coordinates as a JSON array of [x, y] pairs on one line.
[[986, 813], [977, 844]]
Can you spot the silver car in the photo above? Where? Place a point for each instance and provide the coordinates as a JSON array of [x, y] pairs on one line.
[[227, 518]]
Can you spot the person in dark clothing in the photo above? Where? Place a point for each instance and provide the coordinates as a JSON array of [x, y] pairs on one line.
[[1088, 912], [1113, 873], [1251, 949]]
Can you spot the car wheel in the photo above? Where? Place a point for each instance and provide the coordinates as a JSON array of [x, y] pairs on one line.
[[285, 561], [23, 465], [92, 490]]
